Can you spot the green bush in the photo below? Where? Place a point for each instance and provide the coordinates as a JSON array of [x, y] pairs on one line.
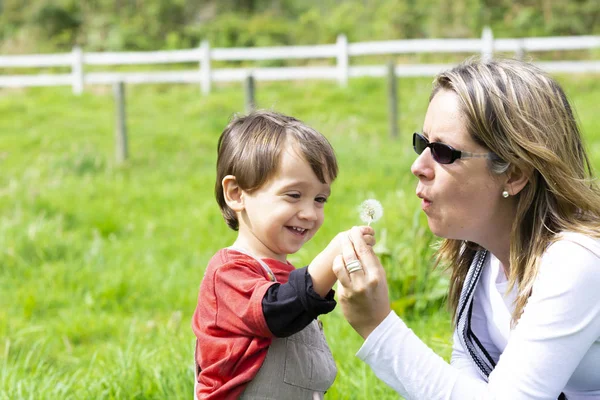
[[56, 25]]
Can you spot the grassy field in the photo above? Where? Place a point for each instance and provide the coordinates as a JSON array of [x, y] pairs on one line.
[[100, 264]]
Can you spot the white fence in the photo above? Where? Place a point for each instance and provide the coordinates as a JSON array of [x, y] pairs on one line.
[[205, 75]]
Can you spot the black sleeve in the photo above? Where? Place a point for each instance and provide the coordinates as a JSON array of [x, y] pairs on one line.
[[290, 307]]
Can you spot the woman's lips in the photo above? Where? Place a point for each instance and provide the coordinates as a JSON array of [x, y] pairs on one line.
[[425, 202]]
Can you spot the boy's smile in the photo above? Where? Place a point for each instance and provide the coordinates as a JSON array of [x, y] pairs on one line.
[[300, 231], [279, 217]]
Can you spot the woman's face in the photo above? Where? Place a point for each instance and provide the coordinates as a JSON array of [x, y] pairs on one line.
[[462, 200]]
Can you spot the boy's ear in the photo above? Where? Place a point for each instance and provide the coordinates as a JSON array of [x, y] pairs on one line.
[[233, 193], [517, 179]]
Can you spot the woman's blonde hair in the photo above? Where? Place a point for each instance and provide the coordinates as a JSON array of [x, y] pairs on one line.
[[523, 116]]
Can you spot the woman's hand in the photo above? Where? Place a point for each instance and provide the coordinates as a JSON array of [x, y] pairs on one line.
[[363, 294], [320, 270]]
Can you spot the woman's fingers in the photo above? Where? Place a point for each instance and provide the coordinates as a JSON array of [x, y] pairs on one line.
[[363, 294], [361, 249], [367, 230], [351, 261], [364, 237], [368, 234], [370, 240], [339, 269]]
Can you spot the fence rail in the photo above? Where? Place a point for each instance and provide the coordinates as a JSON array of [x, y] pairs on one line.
[[205, 75]]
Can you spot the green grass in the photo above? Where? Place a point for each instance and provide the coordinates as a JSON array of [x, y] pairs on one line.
[[100, 264]]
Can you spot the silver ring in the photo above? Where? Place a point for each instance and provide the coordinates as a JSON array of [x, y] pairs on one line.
[[353, 266]]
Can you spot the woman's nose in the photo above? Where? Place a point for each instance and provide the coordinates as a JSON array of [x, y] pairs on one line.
[[422, 167]]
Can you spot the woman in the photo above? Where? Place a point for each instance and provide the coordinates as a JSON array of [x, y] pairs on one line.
[[505, 180]]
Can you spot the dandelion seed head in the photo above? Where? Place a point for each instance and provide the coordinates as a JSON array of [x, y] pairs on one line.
[[370, 211]]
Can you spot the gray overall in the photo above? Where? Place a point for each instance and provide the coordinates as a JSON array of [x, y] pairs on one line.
[[297, 367]]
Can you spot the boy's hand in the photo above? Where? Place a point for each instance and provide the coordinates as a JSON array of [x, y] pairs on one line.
[[335, 245], [320, 269]]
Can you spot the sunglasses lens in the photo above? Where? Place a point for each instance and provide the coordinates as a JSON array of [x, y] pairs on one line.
[[441, 153], [419, 143]]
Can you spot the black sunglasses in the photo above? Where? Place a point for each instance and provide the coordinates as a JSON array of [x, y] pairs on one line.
[[442, 153]]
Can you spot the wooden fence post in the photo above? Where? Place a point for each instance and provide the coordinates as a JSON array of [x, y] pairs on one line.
[[487, 44], [77, 70], [205, 72], [392, 99], [250, 99], [120, 122], [342, 60]]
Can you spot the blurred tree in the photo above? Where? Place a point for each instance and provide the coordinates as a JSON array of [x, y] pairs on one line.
[[51, 25], [57, 19]]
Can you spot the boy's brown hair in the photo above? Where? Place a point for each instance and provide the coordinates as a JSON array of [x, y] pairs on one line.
[[250, 147]]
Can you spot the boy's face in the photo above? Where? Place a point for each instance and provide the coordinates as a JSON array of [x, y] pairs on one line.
[[286, 211]]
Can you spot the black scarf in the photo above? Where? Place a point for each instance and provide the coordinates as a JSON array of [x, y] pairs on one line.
[[482, 359]]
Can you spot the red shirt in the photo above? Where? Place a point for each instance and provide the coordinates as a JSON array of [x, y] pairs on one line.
[[233, 336]]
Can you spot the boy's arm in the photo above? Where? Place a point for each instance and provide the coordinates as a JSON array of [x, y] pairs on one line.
[[320, 269], [291, 306]]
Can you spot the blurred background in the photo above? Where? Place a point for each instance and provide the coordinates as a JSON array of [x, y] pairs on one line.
[[107, 213], [32, 26]]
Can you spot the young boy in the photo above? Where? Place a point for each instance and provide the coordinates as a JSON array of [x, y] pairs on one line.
[[255, 322]]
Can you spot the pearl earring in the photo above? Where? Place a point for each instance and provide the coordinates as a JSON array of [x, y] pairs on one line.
[[505, 194]]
